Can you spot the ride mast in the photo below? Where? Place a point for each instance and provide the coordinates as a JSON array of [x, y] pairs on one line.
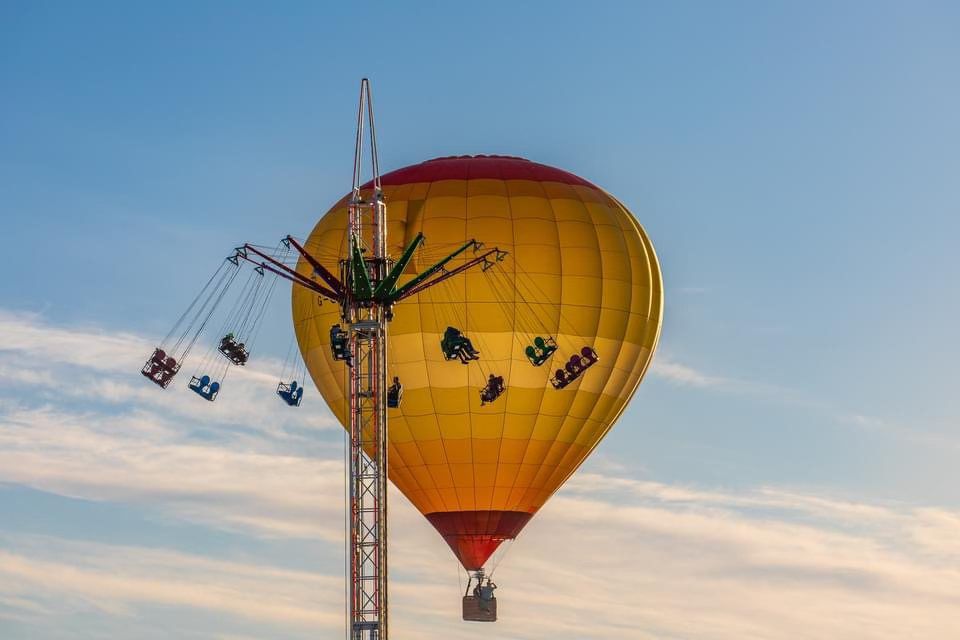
[[367, 393], [367, 289]]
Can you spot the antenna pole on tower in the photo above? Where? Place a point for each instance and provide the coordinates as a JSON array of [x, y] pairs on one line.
[[367, 392]]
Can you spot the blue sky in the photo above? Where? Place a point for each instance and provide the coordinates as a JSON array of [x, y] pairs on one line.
[[794, 163]]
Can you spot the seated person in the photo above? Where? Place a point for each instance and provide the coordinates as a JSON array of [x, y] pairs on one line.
[[493, 390], [236, 353], [239, 355], [457, 345], [394, 393], [340, 344], [465, 358]]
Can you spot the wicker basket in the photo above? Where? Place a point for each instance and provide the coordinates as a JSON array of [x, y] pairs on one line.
[[474, 611]]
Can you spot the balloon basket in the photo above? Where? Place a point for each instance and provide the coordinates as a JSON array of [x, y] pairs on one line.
[[476, 610]]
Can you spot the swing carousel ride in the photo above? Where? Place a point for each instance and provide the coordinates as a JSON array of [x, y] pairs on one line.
[[523, 309]]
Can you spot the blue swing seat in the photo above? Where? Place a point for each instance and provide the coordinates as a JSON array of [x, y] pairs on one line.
[[204, 388], [291, 393]]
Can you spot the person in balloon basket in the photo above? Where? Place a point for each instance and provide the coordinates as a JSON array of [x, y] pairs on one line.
[[484, 593]]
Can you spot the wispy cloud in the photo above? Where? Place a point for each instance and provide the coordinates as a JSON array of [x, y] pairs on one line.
[[86, 363], [77, 419], [648, 561], [609, 557], [673, 371], [925, 436], [56, 575], [679, 374]]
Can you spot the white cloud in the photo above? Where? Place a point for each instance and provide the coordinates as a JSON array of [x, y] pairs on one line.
[[91, 364], [113, 580], [682, 374], [638, 561], [142, 457], [608, 557], [668, 369]]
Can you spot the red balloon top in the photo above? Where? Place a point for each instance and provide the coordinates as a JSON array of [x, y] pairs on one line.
[[478, 168]]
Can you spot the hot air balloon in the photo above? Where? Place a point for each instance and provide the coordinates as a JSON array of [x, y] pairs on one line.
[[560, 334]]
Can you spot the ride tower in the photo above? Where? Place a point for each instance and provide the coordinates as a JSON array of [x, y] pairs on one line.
[[367, 290], [367, 318]]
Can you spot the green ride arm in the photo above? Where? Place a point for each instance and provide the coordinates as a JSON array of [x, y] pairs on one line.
[[396, 294], [362, 289], [382, 292]]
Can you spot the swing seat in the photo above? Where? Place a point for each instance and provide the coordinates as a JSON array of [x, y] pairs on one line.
[[339, 343], [204, 388], [291, 393], [574, 368], [560, 379], [456, 345], [237, 353], [394, 396], [493, 390], [449, 349], [589, 355], [541, 350], [582, 361], [160, 368]]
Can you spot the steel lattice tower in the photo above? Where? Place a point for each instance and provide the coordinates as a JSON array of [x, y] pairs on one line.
[[366, 397], [367, 289]]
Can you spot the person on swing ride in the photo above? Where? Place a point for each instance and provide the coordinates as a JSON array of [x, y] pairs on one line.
[[339, 343], [394, 393], [493, 389], [456, 344]]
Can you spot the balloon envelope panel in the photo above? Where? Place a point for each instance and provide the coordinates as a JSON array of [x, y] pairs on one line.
[[579, 270]]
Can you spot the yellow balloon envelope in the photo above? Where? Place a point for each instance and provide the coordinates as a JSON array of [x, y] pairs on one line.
[[580, 275]]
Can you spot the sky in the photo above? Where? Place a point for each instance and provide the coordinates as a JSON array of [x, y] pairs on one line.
[[788, 469]]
